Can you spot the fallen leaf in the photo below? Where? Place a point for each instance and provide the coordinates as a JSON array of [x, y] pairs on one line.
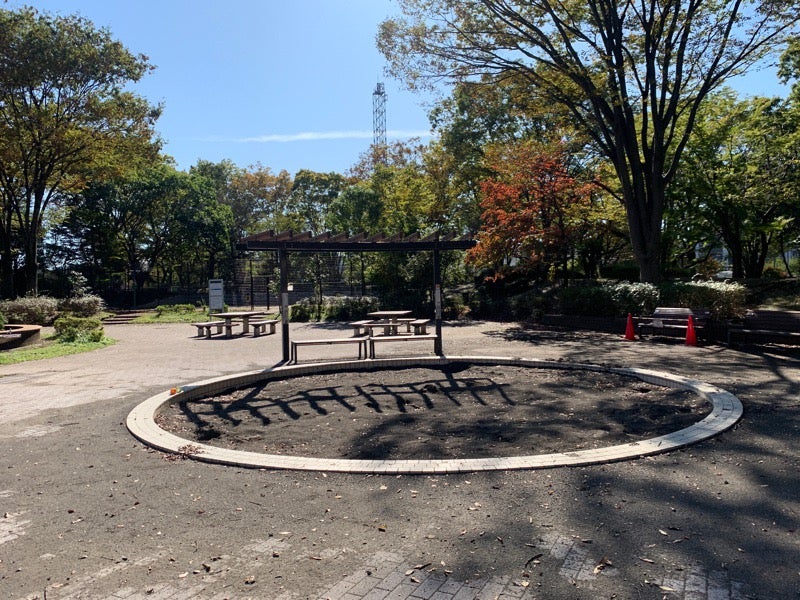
[[647, 560], [604, 562], [666, 588], [662, 532]]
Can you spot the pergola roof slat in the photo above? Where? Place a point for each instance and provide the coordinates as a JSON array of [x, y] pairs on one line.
[[342, 242]]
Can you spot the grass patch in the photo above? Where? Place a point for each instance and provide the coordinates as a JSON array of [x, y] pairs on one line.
[[50, 348], [172, 317]]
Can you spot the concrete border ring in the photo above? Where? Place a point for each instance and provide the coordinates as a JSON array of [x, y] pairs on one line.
[[141, 422]]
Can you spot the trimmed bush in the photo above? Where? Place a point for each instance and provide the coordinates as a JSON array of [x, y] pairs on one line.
[[29, 310], [725, 300], [87, 305], [78, 329], [633, 298], [2, 321]]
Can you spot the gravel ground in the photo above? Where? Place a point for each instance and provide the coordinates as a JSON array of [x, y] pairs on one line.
[[88, 512]]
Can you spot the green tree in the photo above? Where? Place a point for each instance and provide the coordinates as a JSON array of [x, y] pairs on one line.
[[259, 199], [632, 76], [740, 174], [63, 115]]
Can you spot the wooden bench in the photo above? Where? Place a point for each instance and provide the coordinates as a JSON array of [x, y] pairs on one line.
[[766, 326], [361, 341], [399, 338], [360, 327], [260, 327], [668, 321], [205, 328]]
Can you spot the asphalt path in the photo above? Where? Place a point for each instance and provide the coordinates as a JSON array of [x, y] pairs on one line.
[[86, 511]]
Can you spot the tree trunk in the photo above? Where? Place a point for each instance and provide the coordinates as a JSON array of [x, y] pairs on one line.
[[645, 210], [31, 268]]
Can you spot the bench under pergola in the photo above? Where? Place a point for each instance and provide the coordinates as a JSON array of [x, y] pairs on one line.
[[289, 241]]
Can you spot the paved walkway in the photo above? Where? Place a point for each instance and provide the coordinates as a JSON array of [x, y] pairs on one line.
[[89, 512]]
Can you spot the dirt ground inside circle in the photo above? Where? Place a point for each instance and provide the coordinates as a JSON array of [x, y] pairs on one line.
[[461, 411]]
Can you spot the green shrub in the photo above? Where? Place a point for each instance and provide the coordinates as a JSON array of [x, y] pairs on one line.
[[180, 309], [301, 311], [587, 300], [334, 308], [725, 300], [528, 305], [30, 310], [2, 321], [348, 308], [633, 298], [454, 306], [78, 329], [87, 305]]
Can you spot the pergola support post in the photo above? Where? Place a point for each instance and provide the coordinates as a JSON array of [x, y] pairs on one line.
[[437, 299], [284, 268]]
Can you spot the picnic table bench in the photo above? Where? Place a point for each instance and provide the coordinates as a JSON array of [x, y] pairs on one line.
[[206, 327], [360, 327], [672, 321], [260, 327], [767, 326]]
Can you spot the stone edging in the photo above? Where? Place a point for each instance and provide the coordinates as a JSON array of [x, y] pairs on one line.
[[14, 336], [726, 411]]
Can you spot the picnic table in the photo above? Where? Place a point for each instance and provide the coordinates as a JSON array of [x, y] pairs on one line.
[[243, 315], [389, 320]]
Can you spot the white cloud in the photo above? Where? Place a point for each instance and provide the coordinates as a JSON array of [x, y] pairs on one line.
[[314, 136]]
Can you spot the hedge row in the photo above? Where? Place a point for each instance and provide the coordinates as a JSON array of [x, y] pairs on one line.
[[724, 300], [43, 310]]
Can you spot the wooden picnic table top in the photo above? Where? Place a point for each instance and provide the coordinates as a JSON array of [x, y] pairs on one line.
[[239, 314], [389, 314]]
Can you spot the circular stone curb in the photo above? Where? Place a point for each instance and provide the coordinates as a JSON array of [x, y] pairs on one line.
[[726, 411]]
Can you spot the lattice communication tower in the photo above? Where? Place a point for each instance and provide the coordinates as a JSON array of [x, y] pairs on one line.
[[379, 116]]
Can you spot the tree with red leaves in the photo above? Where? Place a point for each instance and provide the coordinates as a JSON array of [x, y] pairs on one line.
[[533, 211]]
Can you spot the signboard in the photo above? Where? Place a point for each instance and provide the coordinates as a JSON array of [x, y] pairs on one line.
[[216, 294]]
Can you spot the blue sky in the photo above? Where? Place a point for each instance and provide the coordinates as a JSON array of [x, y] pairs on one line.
[[284, 83]]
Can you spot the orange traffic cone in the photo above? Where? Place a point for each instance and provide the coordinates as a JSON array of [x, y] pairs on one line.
[[630, 334], [691, 336]]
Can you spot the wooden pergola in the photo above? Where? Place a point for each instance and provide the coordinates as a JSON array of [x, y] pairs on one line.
[[288, 241]]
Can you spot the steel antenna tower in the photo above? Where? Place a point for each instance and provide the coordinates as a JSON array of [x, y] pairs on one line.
[[379, 121]]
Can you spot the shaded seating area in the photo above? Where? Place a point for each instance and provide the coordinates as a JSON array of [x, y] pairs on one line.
[[366, 332]]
